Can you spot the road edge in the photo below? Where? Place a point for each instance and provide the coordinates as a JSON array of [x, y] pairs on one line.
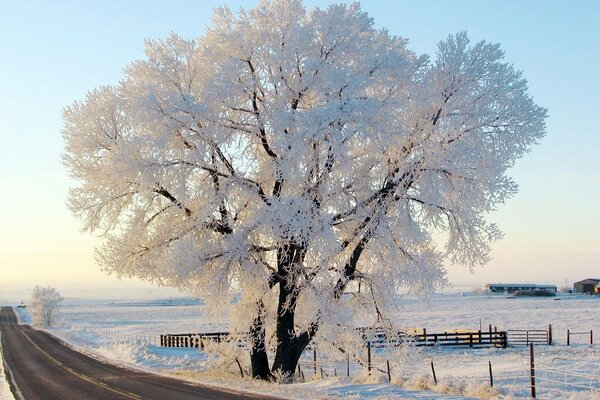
[[14, 389], [134, 367]]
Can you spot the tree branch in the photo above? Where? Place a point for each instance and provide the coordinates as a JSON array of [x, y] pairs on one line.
[[166, 194]]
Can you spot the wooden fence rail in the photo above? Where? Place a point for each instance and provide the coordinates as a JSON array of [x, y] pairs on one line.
[[473, 339], [418, 337], [525, 337], [196, 340], [569, 334], [456, 339]]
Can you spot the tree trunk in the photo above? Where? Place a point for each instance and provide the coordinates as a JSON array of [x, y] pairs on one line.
[[286, 358], [289, 345], [258, 351], [288, 351]]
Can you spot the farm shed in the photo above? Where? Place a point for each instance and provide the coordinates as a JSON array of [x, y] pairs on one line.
[[586, 285], [513, 287]]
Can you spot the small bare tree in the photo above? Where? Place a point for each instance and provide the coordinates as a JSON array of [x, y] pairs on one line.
[[44, 305]]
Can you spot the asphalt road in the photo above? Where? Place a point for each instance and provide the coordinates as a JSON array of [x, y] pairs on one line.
[[45, 368]]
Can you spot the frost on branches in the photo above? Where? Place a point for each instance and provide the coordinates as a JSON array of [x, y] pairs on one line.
[[44, 305], [273, 164]]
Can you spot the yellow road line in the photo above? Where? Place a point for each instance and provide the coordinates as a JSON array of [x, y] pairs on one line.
[[82, 376]]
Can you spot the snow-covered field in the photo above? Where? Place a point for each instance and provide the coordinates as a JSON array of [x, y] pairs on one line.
[[128, 332]]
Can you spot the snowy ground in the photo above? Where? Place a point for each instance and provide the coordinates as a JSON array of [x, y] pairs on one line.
[[127, 332], [5, 393]]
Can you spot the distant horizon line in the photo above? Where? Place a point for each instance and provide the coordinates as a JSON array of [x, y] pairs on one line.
[[137, 290]]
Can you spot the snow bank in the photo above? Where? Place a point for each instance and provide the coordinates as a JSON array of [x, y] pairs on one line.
[[5, 393]]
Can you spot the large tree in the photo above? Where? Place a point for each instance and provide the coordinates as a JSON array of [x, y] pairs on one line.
[[272, 164]]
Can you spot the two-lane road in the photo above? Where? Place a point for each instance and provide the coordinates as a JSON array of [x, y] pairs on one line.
[[44, 368]]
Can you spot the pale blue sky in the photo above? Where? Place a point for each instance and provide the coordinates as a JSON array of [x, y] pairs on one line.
[[52, 52]]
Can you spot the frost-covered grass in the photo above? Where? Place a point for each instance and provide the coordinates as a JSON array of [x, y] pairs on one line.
[[127, 332]]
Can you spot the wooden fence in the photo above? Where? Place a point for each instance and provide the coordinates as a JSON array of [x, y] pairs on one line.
[[378, 338], [195, 340], [374, 338], [459, 338], [525, 337], [586, 333]]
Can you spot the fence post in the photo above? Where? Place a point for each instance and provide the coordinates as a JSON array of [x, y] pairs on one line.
[[389, 372], [591, 336], [369, 356], [348, 365], [433, 372], [549, 334], [491, 376], [470, 340], [568, 337], [532, 370], [315, 359]]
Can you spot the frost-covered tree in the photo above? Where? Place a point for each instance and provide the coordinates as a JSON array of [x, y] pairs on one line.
[[287, 155], [44, 305]]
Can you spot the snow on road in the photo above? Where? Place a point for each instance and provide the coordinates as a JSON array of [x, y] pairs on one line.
[[127, 332]]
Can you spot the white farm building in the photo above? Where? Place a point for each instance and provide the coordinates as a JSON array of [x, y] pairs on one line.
[[513, 287]]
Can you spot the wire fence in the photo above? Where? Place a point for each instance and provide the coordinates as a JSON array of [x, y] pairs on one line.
[[432, 372], [550, 383], [554, 377], [115, 335]]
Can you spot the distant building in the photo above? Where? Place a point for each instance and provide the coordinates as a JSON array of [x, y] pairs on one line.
[[514, 287], [586, 286]]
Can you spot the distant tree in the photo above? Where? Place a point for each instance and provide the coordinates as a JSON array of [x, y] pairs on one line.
[[44, 304], [287, 156]]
